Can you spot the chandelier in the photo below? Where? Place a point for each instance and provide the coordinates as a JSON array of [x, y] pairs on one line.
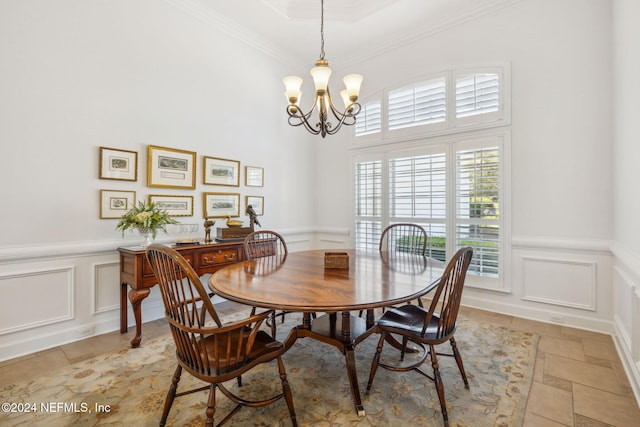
[[323, 102]]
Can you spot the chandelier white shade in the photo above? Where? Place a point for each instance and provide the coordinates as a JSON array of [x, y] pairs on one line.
[[326, 109]]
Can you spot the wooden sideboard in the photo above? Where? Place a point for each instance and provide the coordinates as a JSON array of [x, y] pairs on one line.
[[136, 273]]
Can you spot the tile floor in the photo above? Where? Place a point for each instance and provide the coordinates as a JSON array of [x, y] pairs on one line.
[[578, 380]]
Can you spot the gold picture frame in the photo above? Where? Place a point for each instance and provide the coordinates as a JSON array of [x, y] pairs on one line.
[[172, 204], [217, 171], [221, 205], [118, 164], [171, 168], [254, 176], [115, 203]]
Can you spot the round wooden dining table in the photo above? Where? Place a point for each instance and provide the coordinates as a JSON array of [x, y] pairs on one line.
[[300, 282]]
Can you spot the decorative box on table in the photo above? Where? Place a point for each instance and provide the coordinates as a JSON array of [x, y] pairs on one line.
[[336, 260]]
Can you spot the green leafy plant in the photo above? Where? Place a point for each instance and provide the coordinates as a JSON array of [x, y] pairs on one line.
[[146, 217]]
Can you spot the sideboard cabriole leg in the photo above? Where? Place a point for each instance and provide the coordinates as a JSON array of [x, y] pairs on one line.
[[136, 296]]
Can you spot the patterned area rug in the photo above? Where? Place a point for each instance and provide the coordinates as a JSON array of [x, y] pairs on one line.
[[127, 388]]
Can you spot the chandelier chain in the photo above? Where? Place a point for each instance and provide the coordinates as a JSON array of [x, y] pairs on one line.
[[322, 29], [323, 103]]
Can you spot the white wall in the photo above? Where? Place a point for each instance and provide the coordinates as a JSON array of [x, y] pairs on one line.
[[626, 279], [77, 75]]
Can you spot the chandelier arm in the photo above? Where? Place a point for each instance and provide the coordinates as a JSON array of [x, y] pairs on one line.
[[302, 118]]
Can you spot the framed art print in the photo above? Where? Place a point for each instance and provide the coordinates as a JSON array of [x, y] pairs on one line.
[[221, 171], [115, 203], [220, 205], [254, 176], [257, 203], [118, 164], [171, 168], [174, 205]]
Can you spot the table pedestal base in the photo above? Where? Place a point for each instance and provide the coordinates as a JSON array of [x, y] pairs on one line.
[[344, 335]]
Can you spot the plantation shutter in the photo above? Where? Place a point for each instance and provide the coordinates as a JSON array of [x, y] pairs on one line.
[[418, 194], [369, 120], [368, 204], [421, 104], [478, 216], [477, 94]]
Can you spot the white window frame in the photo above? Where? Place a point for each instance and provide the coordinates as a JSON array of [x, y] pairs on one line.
[[452, 124], [450, 145]]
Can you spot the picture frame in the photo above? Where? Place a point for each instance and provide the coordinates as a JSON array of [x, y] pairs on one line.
[[217, 171], [115, 203], [254, 176], [171, 168], [118, 164], [174, 205], [221, 205], [256, 202]]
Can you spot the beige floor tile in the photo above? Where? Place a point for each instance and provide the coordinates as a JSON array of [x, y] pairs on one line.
[[482, 315], [551, 403], [533, 420], [582, 421], [582, 333], [546, 329], [558, 383], [43, 363], [538, 371], [608, 408], [600, 349], [583, 373], [562, 347]]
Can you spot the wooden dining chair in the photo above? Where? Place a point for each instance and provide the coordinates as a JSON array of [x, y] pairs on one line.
[[267, 243], [428, 327], [402, 241], [404, 238], [207, 349]]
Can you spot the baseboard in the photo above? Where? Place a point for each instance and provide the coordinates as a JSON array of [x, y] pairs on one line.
[[539, 315], [108, 323], [630, 368]]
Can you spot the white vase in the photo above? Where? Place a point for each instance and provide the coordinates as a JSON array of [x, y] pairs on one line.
[[148, 236]]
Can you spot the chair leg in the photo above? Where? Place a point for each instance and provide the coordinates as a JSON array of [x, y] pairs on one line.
[[171, 394], [273, 325], [405, 341], [376, 361], [288, 396], [439, 385], [456, 354], [211, 406]]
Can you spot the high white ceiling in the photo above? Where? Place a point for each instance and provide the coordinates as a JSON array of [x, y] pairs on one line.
[[290, 29]]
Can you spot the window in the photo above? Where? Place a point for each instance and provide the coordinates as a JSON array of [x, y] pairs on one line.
[[478, 207], [477, 94], [453, 189], [368, 197], [369, 120], [421, 104], [435, 163], [438, 104]]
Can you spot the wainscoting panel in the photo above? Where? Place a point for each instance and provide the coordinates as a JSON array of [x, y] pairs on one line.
[[559, 281], [45, 297], [106, 289]]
